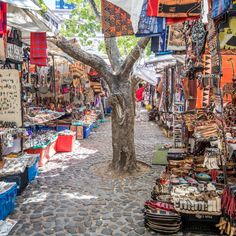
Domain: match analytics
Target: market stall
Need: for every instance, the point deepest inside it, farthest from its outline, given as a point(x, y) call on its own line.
point(198, 183)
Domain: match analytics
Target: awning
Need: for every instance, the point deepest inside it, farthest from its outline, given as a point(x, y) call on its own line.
point(28, 21)
point(147, 74)
point(25, 4)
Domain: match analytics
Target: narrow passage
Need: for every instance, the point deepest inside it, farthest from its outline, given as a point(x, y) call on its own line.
point(68, 199)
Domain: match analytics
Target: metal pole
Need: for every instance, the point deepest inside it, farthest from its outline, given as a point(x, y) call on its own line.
point(54, 80)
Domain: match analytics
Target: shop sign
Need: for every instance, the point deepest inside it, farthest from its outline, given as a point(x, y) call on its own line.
point(10, 97)
point(14, 52)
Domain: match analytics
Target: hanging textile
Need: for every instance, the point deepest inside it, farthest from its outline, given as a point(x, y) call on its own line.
point(132, 7)
point(174, 8)
point(115, 21)
point(38, 48)
point(14, 52)
point(219, 7)
point(149, 26)
point(176, 38)
point(227, 35)
point(164, 41)
point(155, 44)
point(213, 45)
point(3, 18)
point(175, 20)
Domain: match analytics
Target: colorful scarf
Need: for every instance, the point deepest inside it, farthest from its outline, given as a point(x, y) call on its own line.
point(38, 48)
point(115, 21)
point(148, 25)
point(3, 18)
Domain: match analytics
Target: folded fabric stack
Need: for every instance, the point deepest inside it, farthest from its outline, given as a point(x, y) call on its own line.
point(162, 217)
point(180, 167)
point(188, 119)
point(206, 132)
point(176, 154)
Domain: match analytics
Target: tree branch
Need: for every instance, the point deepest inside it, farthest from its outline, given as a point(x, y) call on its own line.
point(92, 60)
point(113, 53)
point(95, 10)
point(134, 56)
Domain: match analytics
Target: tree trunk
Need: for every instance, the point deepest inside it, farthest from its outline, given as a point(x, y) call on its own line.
point(124, 159)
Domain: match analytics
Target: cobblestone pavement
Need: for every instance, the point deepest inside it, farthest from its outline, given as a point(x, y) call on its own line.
point(67, 199)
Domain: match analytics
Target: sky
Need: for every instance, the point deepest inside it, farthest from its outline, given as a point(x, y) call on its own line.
point(50, 3)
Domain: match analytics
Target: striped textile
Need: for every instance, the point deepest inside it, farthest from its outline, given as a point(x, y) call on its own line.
point(38, 48)
point(219, 7)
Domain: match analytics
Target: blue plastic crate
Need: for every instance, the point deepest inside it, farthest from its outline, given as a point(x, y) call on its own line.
point(20, 179)
point(62, 128)
point(87, 131)
point(33, 170)
point(7, 202)
point(45, 128)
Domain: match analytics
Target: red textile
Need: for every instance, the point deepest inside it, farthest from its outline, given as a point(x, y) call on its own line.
point(139, 94)
point(38, 48)
point(3, 18)
point(171, 21)
point(38, 61)
point(152, 8)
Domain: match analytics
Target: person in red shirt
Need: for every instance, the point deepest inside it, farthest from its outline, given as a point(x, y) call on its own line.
point(139, 99)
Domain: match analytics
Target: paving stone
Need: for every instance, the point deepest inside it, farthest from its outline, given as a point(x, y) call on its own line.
point(98, 222)
point(140, 231)
point(117, 214)
point(87, 224)
point(106, 231)
point(49, 232)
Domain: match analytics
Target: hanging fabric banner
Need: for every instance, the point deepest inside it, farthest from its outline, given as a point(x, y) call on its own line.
point(132, 7)
point(213, 45)
point(10, 97)
point(174, 8)
point(115, 21)
point(38, 48)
